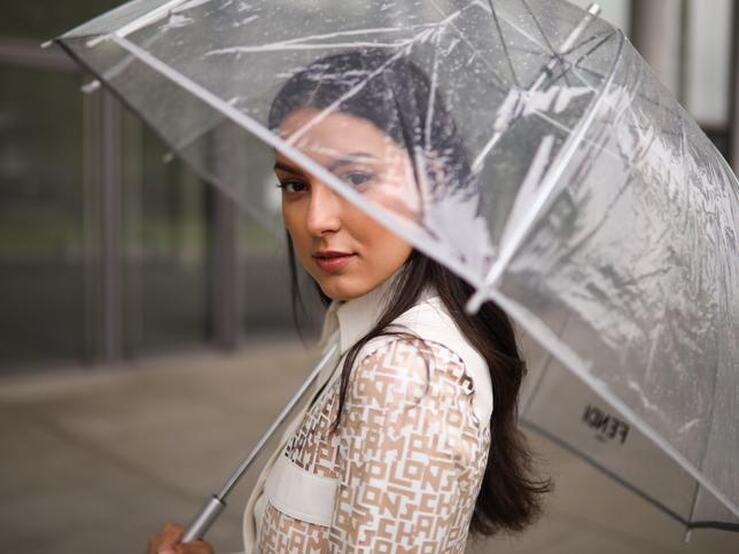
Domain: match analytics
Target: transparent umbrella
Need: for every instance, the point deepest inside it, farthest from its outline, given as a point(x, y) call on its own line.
point(528, 148)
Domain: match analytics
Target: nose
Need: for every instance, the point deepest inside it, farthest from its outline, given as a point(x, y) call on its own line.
point(324, 210)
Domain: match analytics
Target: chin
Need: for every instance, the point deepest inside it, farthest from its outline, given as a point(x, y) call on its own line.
point(337, 288)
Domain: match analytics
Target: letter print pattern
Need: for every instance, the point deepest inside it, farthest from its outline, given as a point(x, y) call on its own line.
point(409, 455)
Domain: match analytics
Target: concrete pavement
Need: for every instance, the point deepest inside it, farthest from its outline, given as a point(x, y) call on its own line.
point(94, 460)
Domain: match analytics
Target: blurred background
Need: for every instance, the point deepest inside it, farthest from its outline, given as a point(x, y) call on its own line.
point(137, 256)
point(139, 308)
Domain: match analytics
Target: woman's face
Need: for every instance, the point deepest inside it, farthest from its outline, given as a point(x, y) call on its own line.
point(343, 249)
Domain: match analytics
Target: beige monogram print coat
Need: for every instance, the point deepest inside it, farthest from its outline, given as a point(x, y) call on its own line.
point(404, 468)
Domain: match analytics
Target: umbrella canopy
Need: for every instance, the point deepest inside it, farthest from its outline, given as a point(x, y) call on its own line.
point(522, 143)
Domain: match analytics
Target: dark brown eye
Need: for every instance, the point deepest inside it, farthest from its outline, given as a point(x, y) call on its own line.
point(292, 185)
point(357, 178)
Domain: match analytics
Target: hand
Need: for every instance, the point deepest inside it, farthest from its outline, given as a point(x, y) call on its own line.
point(167, 541)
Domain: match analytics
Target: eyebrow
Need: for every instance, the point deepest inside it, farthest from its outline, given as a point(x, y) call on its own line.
point(349, 159)
point(288, 168)
point(345, 160)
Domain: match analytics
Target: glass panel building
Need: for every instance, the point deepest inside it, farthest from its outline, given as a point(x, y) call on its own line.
point(110, 249)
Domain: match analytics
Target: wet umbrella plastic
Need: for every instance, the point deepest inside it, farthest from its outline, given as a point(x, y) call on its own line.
point(528, 148)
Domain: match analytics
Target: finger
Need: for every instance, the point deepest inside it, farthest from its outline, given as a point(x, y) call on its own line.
point(203, 547)
point(194, 547)
point(165, 548)
point(173, 529)
point(172, 532)
point(155, 543)
point(169, 538)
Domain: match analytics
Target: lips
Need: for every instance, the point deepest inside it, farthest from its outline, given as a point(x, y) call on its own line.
point(332, 260)
point(330, 254)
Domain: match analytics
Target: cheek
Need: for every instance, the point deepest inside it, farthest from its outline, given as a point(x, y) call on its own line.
point(397, 192)
point(382, 249)
point(398, 250)
point(293, 218)
point(288, 217)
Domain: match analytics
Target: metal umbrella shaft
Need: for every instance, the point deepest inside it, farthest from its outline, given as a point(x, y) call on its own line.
point(217, 502)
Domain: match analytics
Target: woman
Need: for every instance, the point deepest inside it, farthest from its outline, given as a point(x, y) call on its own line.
point(411, 441)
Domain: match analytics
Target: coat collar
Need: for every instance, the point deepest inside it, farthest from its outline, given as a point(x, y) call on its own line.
point(356, 317)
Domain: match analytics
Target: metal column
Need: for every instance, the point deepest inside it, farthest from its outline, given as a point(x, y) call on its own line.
point(734, 91)
point(225, 274)
point(656, 27)
point(103, 224)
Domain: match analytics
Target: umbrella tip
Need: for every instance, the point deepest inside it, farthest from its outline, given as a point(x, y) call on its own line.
point(91, 87)
point(594, 9)
point(475, 301)
point(47, 43)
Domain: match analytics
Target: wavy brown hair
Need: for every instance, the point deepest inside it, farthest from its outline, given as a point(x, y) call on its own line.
point(397, 96)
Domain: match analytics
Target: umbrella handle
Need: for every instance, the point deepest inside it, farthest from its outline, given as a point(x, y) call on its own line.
point(205, 518)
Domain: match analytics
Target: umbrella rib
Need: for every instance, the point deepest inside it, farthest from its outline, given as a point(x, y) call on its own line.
point(567, 129)
point(580, 59)
point(432, 93)
point(600, 38)
point(552, 50)
point(498, 81)
point(503, 43)
point(280, 46)
point(122, 65)
point(540, 28)
point(140, 22)
point(710, 428)
point(523, 33)
point(712, 524)
point(298, 43)
point(694, 501)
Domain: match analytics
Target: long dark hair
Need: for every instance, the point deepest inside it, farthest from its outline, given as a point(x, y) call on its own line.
point(396, 95)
